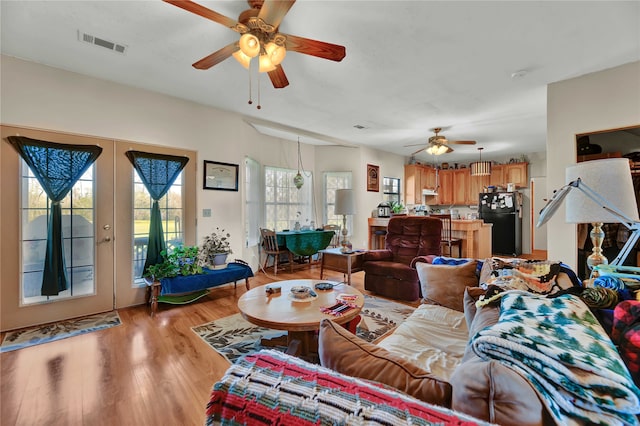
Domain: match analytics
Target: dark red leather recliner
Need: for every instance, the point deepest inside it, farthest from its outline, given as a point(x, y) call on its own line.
point(390, 272)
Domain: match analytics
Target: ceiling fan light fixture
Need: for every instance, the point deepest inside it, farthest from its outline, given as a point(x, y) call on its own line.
point(242, 58)
point(481, 168)
point(265, 64)
point(250, 45)
point(276, 53)
point(438, 149)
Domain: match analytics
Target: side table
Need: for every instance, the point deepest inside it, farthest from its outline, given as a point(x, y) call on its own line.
point(347, 263)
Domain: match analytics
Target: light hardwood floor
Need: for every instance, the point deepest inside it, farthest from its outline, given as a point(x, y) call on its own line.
point(147, 371)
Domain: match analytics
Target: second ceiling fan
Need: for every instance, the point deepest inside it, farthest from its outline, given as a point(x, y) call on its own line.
point(260, 38)
point(438, 144)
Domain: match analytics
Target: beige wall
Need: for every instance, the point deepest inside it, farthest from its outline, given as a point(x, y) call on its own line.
point(38, 96)
point(603, 100)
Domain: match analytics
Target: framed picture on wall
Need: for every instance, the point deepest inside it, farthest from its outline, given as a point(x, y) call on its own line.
point(373, 182)
point(221, 176)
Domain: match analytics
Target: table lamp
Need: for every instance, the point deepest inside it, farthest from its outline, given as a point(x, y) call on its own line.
point(345, 204)
point(605, 195)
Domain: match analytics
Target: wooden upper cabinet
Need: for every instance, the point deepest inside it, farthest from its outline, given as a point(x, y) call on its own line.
point(516, 173)
point(445, 191)
point(497, 175)
point(460, 189)
point(416, 178)
point(477, 184)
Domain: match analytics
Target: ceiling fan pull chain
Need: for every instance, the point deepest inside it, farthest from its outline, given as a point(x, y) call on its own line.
point(249, 74)
point(259, 107)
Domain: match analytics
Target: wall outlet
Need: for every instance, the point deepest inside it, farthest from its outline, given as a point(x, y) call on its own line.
point(206, 212)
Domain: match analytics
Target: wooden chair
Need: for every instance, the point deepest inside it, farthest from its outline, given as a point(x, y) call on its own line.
point(335, 241)
point(447, 236)
point(271, 248)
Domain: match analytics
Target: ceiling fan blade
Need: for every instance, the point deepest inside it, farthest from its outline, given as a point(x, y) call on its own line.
point(463, 142)
point(418, 151)
point(415, 144)
point(272, 11)
point(278, 78)
point(192, 7)
point(316, 48)
point(216, 57)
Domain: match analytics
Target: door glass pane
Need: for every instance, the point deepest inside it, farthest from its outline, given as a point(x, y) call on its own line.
point(77, 232)
point(171, 209)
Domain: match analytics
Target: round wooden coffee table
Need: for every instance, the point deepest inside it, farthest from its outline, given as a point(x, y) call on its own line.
point(300, 319)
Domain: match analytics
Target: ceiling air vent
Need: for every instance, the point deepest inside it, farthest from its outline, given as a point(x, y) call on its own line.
point(88, 38)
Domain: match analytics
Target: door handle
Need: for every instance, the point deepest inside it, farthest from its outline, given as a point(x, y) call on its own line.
point(105, 240)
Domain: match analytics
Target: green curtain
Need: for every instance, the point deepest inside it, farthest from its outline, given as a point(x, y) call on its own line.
point(157, 172)
point(57, 167)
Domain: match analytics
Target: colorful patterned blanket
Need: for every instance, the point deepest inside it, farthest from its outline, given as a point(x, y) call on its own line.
point(559, 346)
point(273, 388)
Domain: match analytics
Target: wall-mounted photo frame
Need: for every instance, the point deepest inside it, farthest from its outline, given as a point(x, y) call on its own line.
point(220, 176)
point(373, 182)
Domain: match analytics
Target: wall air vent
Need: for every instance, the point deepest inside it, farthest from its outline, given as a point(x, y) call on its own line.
point(97, 41)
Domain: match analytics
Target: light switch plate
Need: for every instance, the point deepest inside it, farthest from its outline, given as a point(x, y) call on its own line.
point(206, 212)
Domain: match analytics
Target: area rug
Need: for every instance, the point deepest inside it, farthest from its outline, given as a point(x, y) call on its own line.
point(234, 337)
point(58, 330)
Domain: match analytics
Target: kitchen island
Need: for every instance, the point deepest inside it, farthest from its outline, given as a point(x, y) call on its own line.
point(475, 235)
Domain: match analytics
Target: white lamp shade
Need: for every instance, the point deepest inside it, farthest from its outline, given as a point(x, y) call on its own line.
point(611, 180)
point(345, 203)
point(242, 58)
point(250, 45)
point(265, 64)
point(276, 53)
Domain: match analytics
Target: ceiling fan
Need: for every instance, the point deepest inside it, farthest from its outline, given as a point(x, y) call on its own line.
point(438, 144)
point(260, 38)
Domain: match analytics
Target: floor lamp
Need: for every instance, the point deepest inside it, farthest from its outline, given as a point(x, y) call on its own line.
point(345, 204)
point(605, 194)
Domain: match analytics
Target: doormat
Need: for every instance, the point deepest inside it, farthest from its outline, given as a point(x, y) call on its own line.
point(233, 336)
point(58, 330)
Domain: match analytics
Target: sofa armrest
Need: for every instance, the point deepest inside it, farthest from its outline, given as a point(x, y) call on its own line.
point(425, 259)
point(375, 255)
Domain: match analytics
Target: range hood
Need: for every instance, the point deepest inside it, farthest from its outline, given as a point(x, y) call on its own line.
point(429, 192)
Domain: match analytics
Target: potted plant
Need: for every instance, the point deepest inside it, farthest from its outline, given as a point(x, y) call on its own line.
point(182, 260)
point(215, 248)
point(397, 208)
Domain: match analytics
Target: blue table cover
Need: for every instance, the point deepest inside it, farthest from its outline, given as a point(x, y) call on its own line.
point(304, 243)
point(209, 278)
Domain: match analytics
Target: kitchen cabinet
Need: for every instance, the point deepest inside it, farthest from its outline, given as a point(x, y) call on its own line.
point(445, 191)
point(460, 185)
point(477, 184)
point(416, 178)
point(516, 173)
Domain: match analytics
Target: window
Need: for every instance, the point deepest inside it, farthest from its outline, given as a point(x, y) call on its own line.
point(284, 203)
point(172, 213)
point(77, 234)
point(391, 189)
point(333, 181)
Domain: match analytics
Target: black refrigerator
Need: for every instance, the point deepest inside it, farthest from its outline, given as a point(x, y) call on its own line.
point(504, 211)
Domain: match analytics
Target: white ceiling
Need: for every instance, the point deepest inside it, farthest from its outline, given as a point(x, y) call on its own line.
point(410, 65)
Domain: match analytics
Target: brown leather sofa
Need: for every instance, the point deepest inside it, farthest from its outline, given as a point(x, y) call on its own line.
point(391, 271)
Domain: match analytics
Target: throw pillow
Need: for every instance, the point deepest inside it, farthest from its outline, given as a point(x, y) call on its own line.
point(348, 354)
point(471, 296)
point(445, 284)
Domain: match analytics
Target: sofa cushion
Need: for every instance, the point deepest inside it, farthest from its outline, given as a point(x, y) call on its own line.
point(399, 271)
point(432, 337)
point(445, 284)
point(348, 354)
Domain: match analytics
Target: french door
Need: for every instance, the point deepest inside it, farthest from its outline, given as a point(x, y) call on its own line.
point(99, 244)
